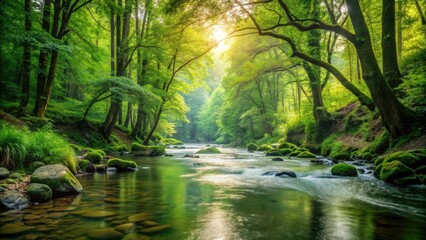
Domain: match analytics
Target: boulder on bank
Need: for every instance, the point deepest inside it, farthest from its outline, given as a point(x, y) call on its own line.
point(344, 156)
point(265, 147)
point(306, 154)
point(287, 145)
point(39, 192)
point(343, 169)
point(58, 178)
point(121, 165)
point(4, 173)
point(285, 151)
point(34, 165)
point(252, 147)
point(142, 150)
point(209, 150)
point(273, 153)
point(86, 166)
point(13, 200)
point(94, 156)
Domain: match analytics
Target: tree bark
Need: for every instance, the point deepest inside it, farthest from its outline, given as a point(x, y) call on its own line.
point(389, 51)
point(397, 119)
point(26, 64)
point(129, 114)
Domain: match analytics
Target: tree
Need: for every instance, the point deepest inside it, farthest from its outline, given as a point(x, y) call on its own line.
point(26, 62)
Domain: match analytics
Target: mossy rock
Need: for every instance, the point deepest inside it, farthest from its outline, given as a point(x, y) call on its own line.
point(412, 179)
point(287, 145)
point(408, 159)
point(368, 156)
point(273, 153)
point(302, 149)
point(294, 153)
point(142, 150)
point(343, 169)
point(11, 180)
point(209, 150)
point(306, 154)
point(16, 176)
point(341, 156)
point(94, 157)
point(4, 173)
point(100, 152)
point(252, 147)
point(379, 160)
point(86, 166)
point(285, 151)
point(59, 178)
point(39, 192)
point(122, 165)
point(390, 171)
point(34, 165)
point(75, 147)
point(265, 148)
point(421, 170)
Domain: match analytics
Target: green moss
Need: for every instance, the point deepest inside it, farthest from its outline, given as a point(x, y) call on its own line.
point(85, 165)
point(302, 149)
point(285, 151)
point(172, 141)
point(306, 154)
point(367, 156)
point(294, 153)
point(121, 165)
point(341, 156)
point(39, 192)
point(343, 169)
point(16, 176)
point(76, 148)
point(209, 150)
point(379, 160)
point(143, 150)
point(421, 170)
point(252, 147)
point(265, 147)
point(287, 145)
point(412, 179)
point(94, 157)
point(380, 144)
point(273, 153)
point(391, 171)
point(101, 152)
point(408, 159)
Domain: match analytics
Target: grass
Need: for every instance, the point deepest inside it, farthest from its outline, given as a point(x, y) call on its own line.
point(18, 148)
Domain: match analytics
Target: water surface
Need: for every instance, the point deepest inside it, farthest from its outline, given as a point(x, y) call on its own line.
point(225, 196)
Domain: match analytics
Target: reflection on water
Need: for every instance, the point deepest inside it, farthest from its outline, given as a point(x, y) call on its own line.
point(225, 196)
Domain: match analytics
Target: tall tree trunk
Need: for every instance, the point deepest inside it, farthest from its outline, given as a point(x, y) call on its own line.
point(154, 126)
point(129, 114)
point(42, 63)
point(111, 118)
point(389, 51)
point(26, 64)
point(400, 16)
point(112, 42)
point(397, 119)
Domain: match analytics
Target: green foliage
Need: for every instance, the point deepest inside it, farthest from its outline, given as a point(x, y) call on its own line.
point(85, 165)
point(285, 151)
point(343, 169)
point(306, 154)
point(94, 156)
point(121, 165)
point(50, 148)
point(13, 150)
point(380, 144)
point(287, 145)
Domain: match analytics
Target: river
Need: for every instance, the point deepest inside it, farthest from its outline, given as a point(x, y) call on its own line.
point(225, 196)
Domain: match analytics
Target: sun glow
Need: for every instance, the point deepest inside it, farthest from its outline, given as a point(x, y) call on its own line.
point(218, 35)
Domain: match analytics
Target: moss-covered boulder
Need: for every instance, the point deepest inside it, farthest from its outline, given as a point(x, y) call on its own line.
point(58, 178)
point(294, 153)
point(39, 192)
point(252, 147)
point(34, 165)
point(273, 153)
point(391, 171)
point(122, 165)
point(287, 145)
point(4, 173)
point(142, 150)
point(306, 154)
point(13, 200)
point(16, 176)
point(368, 156)
point(94, 156)
point(285, 151)
point(407, 158)
point(341, 156)
point(343, 169)
point(86, 166)
point(265, 147)
point(209, 150)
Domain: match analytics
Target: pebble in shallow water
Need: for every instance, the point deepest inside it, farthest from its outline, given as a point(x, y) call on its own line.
point(14, 228)
point(106, 234)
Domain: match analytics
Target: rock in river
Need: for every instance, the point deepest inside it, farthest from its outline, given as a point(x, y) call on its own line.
point(39, 192)
point(58, 178)
point(13, 200)
point(4, 173)
point(105, 234)
point(14, 228)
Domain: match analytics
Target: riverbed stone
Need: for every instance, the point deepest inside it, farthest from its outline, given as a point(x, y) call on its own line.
point(286, 173)
point(13, 200)
point(105, 234)
point(39, 192)
point(156, 229)
point(208, 150)
point(277, 159)
point(4, 173)
point(121, 165)
point(58, 178)
point(125, 228)
point(14, 229)
point(140, 217)
point(136, 236)
point(95, 214)
point(343, 169)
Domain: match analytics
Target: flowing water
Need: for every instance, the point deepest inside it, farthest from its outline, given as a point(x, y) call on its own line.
point(225, 196)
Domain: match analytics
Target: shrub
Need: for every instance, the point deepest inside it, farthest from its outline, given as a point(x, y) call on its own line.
point(12, 147)
point(94, 157)
point(50, 148)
